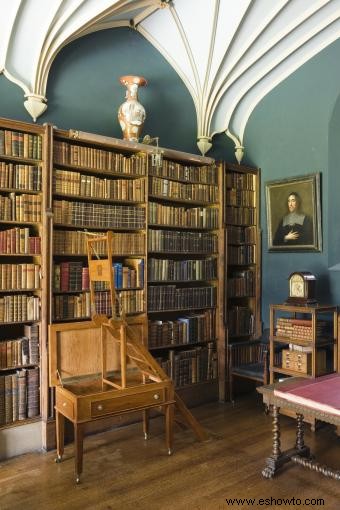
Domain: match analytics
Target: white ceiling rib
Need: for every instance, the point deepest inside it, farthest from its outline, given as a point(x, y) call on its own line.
point(229, 58)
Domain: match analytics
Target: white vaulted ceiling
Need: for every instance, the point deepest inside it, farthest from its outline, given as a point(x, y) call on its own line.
point(229, 53)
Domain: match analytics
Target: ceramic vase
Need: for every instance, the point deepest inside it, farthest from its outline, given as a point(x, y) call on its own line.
point(131, 113)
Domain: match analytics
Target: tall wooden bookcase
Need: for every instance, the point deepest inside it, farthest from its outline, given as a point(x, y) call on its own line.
point(168, 251)
point(184, 300)
point(242, 303)
point(23, 282)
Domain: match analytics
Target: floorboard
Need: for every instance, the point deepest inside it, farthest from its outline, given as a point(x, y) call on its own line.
point(123, 472)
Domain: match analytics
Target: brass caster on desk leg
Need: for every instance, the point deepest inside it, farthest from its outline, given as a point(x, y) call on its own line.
point(146, 436)
point(78, 479)
point(169, 451)
point(58, 459)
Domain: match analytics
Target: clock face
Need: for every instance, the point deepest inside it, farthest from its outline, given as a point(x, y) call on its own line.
point(297, 286)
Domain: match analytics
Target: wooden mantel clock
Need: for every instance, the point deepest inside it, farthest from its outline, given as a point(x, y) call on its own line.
point(301, 288)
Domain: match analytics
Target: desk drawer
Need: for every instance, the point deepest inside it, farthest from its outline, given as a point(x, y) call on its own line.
point(65, 406)
point(127, 402)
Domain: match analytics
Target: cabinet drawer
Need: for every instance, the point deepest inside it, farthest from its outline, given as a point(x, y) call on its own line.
point(127, 402)
point(65, 406)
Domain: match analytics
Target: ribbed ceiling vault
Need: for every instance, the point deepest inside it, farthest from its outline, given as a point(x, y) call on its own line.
point(229, 53)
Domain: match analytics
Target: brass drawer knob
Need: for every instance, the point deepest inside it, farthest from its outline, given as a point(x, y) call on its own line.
point(64, 404)
point(100, 407)
point(156, 396)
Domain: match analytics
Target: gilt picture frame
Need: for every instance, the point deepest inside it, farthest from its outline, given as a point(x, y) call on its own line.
point(294, 214)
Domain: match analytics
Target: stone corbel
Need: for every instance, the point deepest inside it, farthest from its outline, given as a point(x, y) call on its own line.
point(239, 148)
point(204, 144)
point(35, 104)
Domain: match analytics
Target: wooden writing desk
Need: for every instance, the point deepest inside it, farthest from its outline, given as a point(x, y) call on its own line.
point(321, 409)
point(81, 396)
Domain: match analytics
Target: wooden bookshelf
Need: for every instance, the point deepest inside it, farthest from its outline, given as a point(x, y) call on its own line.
point(88, 182)
point(23, 290)
point(184, 300)
point(96, 188)
point(242, 312)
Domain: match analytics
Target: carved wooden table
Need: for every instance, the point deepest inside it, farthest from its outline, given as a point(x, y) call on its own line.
point(300, 452)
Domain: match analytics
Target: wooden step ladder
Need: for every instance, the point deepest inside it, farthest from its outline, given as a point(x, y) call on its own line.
point(131, 347)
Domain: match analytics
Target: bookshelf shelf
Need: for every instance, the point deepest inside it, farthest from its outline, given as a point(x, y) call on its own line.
point(178, 227)
point(15, 222)
point(96, 171)
point(97, 199)
point(186, 201)
point(20, 159)
point(20, 190)
point(96, 228)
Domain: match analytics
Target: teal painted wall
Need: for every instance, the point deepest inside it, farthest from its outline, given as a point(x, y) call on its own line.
point(295, 130)
point(84, 91)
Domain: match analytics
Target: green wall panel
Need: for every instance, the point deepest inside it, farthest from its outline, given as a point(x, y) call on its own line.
point(84, 91)
point(288, 135)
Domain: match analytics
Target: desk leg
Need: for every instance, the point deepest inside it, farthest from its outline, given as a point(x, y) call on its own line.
point(300, 432)
point(274, 461)
point(169, 426)
point(146, 423)
point(78, 445)
point(60, 426)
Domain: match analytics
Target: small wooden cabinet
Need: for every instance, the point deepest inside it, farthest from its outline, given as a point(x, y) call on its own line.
point(307, 336)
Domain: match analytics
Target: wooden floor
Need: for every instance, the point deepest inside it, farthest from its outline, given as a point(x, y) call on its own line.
point(122, 471)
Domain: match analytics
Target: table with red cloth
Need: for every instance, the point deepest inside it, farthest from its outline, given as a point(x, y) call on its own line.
point(313, 398)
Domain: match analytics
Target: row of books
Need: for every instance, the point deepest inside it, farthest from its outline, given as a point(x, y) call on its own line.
point(182, 242)
point(18, 241)
point(240, 321)
point(20, 176)
point(84, 214)
point(240, 181)
point(206, 174)
point(244, 198)
point(240, 235)
point(19, 395)
point(197, 217)
point(240, 215)
point(300, 328)
point(19, 276)
point(190, 329)
point(168, 297)
point(182, 270)
point(19, 308)
point(191, 366)
point(23, 207)
point(79, 306)
point(99, 159)
point(183, 191)
point(244, 254)
point(75, 183)
point(74, 276)
point(17, 143)
point(71, 242)
point(241, 284)
point(21, 351)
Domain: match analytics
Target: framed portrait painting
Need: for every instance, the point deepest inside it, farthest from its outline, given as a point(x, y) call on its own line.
point(294, 214)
